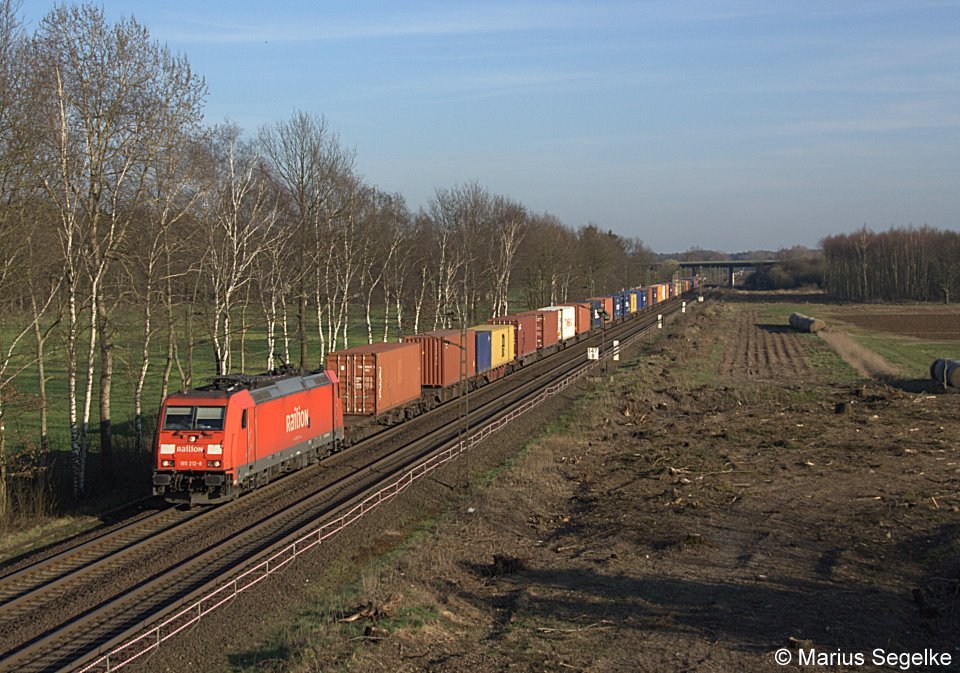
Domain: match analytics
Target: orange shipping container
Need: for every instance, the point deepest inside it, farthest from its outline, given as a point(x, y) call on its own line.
point(548, 327)
point(376, 377)
point(566, 321)
point(441, 355)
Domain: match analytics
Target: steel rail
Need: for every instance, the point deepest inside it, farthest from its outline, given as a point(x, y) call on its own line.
point(30, 587)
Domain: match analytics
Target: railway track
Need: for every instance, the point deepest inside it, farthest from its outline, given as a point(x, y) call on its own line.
point(32, 587)
point(112, 621)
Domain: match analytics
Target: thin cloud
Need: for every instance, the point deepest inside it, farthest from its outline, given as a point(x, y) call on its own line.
point(438, 22)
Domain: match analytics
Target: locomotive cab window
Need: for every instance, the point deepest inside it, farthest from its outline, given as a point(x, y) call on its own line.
point(178, 418)
point(194, 418)
point(210, 418)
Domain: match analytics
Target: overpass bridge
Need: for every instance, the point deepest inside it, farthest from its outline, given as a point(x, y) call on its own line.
point(730, 265)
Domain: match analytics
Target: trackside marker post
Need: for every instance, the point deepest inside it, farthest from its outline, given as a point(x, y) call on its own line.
point(659, 321)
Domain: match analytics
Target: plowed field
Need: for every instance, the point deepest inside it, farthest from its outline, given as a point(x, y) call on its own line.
point(763, 351)
point(934, 326)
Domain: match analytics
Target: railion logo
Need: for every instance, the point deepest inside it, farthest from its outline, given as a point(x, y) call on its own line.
point(300, 418)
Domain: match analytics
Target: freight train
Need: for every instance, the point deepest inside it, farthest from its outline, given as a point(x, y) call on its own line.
point(218, 441)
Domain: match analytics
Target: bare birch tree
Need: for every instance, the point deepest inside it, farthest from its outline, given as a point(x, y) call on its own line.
point(242, 216)
point(510, 222)
point(113, 92)
point(308, 162)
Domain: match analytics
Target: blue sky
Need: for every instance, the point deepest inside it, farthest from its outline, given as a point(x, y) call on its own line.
point(731, 125)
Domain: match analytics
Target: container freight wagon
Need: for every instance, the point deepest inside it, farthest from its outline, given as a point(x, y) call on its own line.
point(598, 304)
point(481, 344)
point(621, 305)
point(237, 433)
point(639, 298)
point(524, 332)
point(656, 294)
point(548, 327)
point(441, 356)
point(582, 315)
point(376, 378)
point(500, 347)
point(566, 320)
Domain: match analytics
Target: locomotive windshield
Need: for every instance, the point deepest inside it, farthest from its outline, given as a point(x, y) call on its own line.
point(194, 418)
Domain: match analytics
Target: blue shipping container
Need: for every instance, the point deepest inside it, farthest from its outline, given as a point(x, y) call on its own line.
point(641, 298)
point(483, 351)
point(595, 307)
point(619, 310)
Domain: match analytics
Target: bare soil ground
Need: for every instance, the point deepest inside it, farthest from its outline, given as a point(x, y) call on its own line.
point(702, 509)
point(762, 351)
point(934, 326)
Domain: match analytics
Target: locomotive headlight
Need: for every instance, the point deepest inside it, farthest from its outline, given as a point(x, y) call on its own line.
point(213, 463)
point(166, 463)
point(167, 449)
point(215, 449)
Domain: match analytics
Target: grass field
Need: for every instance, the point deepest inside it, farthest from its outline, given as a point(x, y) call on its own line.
point(23, 417)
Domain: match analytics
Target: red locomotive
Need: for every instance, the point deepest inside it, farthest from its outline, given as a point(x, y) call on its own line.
point(237, 433)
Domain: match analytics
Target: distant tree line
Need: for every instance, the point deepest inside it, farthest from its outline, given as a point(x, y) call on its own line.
point(896, 265)
point(123, 219)
point(796, 267)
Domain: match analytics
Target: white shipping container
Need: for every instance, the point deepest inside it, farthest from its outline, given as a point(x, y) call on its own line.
point(567, 321)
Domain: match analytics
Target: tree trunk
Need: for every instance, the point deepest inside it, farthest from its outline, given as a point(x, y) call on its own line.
point(171, 350)
point(3, 469)
point(271, 316)
point(88, 387)
point(284, 327)
point(106, 383)
point(41, 377)
point(142, 377)
point(243, 332)
point(78, 454)
point(302, 325)
point(189, 380)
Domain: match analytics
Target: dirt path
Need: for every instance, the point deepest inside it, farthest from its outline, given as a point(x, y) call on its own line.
point(865, 361)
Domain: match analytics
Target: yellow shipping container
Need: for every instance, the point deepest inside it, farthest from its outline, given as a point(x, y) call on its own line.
point(502, 346)
point(633, 301)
